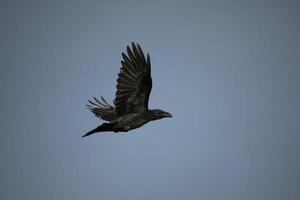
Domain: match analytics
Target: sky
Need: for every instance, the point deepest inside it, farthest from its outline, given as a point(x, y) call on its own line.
point(228, 71)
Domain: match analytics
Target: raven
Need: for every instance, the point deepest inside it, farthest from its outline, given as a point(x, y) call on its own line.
point(130, 110)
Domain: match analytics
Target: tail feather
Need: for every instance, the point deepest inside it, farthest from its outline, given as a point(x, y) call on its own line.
point(102, 128)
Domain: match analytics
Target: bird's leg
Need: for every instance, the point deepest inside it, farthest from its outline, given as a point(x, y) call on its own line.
point(126, 128)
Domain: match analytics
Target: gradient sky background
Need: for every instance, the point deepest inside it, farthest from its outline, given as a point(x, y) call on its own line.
point(228, 70)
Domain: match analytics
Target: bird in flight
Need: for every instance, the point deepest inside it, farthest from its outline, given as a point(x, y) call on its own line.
point(130, 109)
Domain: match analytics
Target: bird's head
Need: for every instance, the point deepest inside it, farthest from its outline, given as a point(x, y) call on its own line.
point(159, 114)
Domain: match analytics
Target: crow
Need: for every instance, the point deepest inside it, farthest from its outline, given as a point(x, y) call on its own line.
point(134, 84)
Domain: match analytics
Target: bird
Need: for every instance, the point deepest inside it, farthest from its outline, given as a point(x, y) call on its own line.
point(130, 106)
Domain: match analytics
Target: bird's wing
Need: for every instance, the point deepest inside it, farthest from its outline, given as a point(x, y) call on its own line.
point(134, 82)
point(102, 109)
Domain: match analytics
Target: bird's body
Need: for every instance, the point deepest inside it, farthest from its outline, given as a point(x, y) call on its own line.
point(130, 110)
point(130, 121)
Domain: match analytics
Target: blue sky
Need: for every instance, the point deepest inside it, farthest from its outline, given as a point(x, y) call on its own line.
point(227, 70)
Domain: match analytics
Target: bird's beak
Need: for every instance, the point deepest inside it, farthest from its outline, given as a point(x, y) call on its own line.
point(168, 115)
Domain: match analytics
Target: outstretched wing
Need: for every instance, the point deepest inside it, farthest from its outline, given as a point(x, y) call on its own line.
point(102, 109)
point(134, 82)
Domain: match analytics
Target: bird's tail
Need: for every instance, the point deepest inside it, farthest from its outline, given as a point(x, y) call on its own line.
point(102, 128)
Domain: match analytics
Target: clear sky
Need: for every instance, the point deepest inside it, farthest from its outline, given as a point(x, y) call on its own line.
point(228, 71)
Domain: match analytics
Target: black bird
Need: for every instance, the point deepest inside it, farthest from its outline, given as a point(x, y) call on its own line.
point(130, 110)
